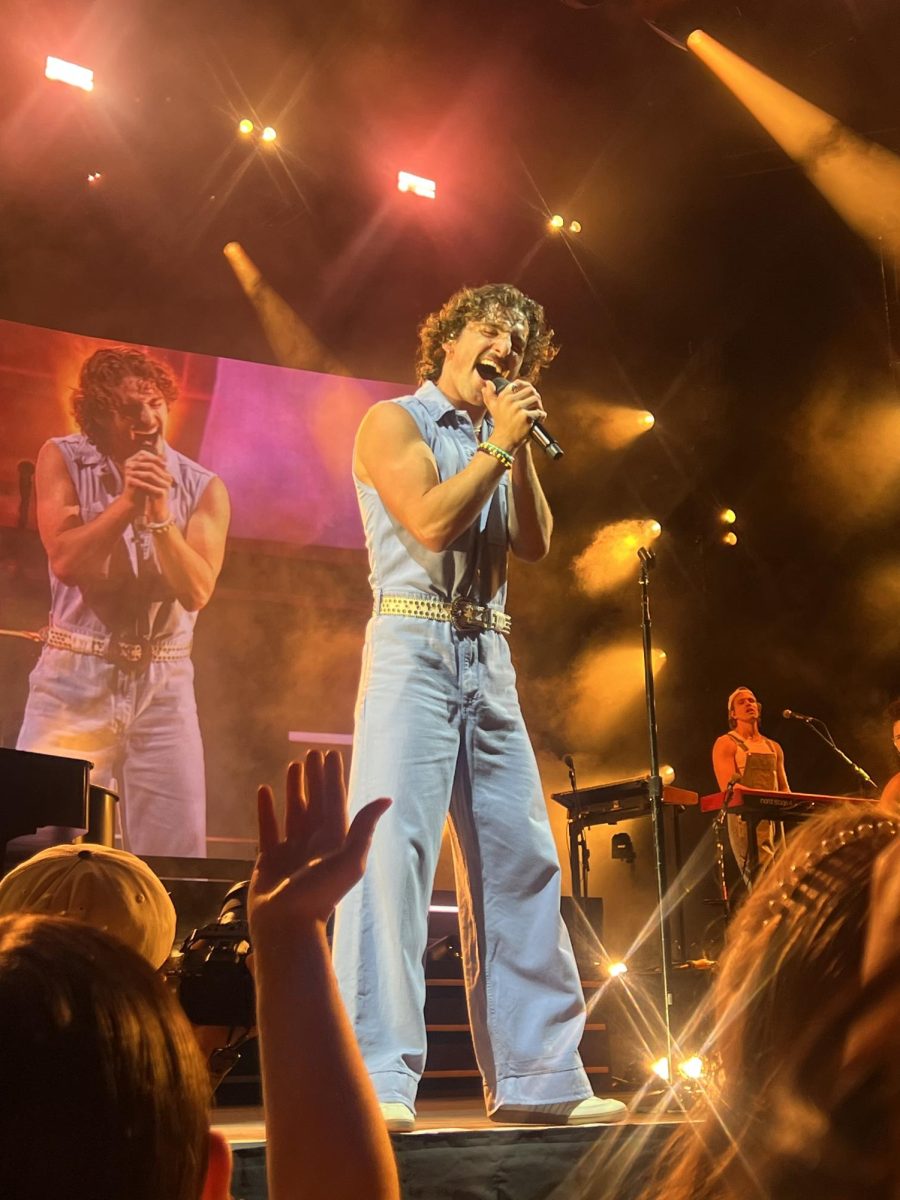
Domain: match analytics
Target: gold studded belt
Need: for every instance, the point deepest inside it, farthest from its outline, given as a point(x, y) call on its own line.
point(463, 614)
point(126, 654)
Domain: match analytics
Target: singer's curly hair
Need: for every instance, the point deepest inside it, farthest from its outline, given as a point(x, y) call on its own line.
point(95, 398)
point(475, 304)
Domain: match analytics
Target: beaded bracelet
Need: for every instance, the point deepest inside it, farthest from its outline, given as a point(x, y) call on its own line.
point(155, 527)
point(502, 456)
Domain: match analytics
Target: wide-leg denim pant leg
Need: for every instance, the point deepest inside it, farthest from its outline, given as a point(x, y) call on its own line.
point(525, 1000)
point(438, 715)
point(141, 732)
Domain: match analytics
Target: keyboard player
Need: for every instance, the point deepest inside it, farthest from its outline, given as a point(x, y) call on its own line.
point(745, 755)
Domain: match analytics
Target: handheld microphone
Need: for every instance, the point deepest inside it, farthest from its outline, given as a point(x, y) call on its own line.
point(795, 716)
point(539, 432)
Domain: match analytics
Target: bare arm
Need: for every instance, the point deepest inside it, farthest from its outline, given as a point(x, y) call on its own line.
point(783, 785)
point(78, 551)
point(391, 455)
point(530, 518)
point(190, 563)
point(326, 1137)
point(724, 758)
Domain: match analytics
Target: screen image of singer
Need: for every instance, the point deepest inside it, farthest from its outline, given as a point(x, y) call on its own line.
point(261, 428)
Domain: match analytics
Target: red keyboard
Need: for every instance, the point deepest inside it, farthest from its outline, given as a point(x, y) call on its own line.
point(765, 803)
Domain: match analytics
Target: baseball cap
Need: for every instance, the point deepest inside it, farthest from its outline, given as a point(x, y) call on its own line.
point(107, 888)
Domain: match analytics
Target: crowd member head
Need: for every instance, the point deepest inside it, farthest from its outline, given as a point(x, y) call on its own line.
point(110, 889)
point(835, 1134)
point(122, 401)
point(800, 935)
point(797, 942)
point(103, 1092)
point(497, 305)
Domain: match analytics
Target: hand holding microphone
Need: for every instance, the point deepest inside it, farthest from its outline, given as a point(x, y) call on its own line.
point(538, 432)
point(147, 485)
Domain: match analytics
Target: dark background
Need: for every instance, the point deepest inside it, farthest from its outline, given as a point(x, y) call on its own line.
point(711, 285)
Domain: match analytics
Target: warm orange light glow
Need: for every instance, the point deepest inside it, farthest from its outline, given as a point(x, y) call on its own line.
point(70, 73)
point(614, 970)
point(417, 184)
point(692, 1068)
point(268, 134)
point(293, 342)
point(245, 126)
point(648, 420)
point(611, 558)
point(860, 179)
point(728, 516)
point(660, 1068)
point(730, 539)
point(556, 221)
point(574, 227)
point(606, 684)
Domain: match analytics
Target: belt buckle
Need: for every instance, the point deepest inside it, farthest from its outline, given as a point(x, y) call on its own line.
point(124, 657)
point(463, 615)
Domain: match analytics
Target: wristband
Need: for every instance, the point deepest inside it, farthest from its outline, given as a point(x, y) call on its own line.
point(502, 456)
point(155, 527)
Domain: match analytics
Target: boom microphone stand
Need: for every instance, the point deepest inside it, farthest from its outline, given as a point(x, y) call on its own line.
point(824, 733)
point(655, 793)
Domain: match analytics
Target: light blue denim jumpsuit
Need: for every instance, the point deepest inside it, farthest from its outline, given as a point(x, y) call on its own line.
point(138, 727)
point(438, 728)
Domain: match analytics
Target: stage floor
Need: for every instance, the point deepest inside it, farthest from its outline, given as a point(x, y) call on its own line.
point(456, 1153)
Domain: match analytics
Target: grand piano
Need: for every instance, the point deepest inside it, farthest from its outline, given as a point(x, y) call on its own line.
point(45, 789)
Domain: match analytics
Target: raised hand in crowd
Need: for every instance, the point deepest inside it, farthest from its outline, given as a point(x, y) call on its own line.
point(325, 1133)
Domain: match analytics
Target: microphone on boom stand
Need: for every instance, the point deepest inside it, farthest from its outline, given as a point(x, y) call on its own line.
point(570, 763)
point(825, 734)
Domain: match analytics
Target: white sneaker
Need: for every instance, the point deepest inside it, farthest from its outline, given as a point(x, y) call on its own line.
point(592, 1111)
point(397, 1117)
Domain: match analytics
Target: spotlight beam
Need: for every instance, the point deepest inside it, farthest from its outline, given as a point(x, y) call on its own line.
point(293, 342)
point(859, 179)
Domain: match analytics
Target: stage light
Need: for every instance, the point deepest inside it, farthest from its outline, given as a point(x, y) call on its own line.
point(245, 126)
point(94, 177)
point(728, 516)
point(730, 539)
point(574, 227)
point(667, 775)
point(692, 1068)
point(614, 970)
point(417, 184)
point(70, 73)
point(660, 1068)
point(647, 420)
point(611, 558)
point(268, 134)
point(556, 221)
point(661, 656)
